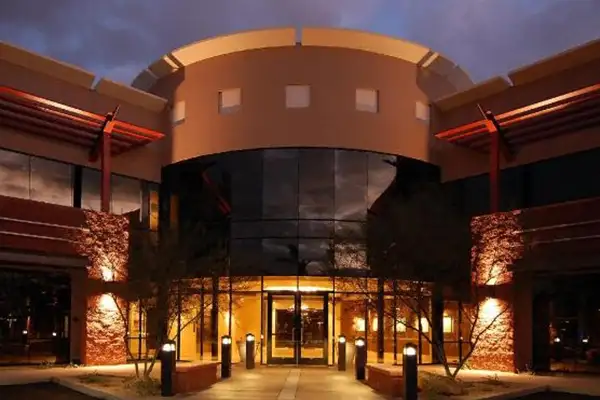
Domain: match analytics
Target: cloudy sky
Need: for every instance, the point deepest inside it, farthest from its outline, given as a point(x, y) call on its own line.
point(117, 38)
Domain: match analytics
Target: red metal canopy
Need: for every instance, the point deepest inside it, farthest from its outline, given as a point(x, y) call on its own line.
point(51, 119)
point(553, 117)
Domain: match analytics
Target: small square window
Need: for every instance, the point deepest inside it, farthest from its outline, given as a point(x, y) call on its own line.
point(422, 111)
point(230, 100)
point(367, 100)
point(297, 96)
point(178, 113)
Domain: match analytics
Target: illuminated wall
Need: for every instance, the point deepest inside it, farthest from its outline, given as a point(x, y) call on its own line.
point(104, 240)
point(497, 244)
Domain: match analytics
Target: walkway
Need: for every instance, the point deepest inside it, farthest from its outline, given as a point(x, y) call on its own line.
point(283, 383)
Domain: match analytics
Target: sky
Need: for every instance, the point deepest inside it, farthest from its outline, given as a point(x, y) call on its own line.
point(118, 38)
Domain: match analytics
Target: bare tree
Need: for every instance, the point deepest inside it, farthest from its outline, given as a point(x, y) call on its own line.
point(419, 250)
point(162, 275)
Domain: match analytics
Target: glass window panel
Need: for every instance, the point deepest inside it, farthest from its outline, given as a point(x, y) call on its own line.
point(281, 256)
point(318, 229)
point(351, 185)
point(90, 189)
point(350, 230)
point(280, 228)
point(316, 184)
point(280, 183)
point(126, 194)
point(241, 230)
point(314, 255)
point(246, 182)
point(245, 256)
point(51, 182)
point(14, 174)
point(381, 175)
point(367, 100)
point(230, 100)
point(297, 96)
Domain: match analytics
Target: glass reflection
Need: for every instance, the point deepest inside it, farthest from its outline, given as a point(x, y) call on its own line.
point(290, 205)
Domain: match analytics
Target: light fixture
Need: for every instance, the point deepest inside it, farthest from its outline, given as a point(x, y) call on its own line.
point(374, 324)
point(54, 334)
point(401, 325)
point(585, 340)
point(168, 347)
point(342, 339)
point(360, 342)
point(448, 324)
point(359, 324)
point(250, 337)
point(226, 340)
point(410, 350)
point(556, 340)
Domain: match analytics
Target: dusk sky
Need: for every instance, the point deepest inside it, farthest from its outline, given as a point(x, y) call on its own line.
point(118, 38)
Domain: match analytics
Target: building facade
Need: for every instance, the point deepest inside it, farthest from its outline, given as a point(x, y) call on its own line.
point(290, 138)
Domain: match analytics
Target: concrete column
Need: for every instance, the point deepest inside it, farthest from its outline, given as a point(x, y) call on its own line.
point(523, 320)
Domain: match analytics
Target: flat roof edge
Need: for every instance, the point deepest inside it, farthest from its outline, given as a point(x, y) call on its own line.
point(130, 95)
point(46, 65)
point(479, 91)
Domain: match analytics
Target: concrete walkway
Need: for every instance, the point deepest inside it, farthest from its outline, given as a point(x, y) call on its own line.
point(282, 383)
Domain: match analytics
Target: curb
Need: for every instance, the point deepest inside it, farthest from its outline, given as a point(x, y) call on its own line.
point(98, 394)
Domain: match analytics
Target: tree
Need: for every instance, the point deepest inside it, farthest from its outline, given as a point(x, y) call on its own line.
point(419, 250)
point(162, 275)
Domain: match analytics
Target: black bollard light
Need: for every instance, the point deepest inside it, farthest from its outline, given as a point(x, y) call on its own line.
point(25, 337)
point(409, 371)
point(360, 358)
point(250, 351)
point(342, 353)
point(225, 356)
point(167, 368)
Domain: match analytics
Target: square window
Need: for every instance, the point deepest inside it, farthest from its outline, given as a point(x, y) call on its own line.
point(422, 111)
point(230, 100)
point(178, 113)
point(297, 96)
point(367, 100)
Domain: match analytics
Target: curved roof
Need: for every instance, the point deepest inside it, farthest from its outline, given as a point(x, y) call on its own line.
point(284, 37)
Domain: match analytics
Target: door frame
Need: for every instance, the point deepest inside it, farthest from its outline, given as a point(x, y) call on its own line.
point(297, 329)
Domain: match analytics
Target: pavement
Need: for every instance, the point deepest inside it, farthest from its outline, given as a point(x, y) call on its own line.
point(285, 383)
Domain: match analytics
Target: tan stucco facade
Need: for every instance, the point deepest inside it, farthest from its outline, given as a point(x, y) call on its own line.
point(333, 63)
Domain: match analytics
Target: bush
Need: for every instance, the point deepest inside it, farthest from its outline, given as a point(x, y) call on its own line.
point(434, 384)
point(144, 387)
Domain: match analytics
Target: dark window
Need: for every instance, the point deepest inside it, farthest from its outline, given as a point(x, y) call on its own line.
point(280, 183)
point(14, 174)
point(316, 184)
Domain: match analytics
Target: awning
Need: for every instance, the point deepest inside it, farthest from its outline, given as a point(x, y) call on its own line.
point(553, 117)
point(40, 116)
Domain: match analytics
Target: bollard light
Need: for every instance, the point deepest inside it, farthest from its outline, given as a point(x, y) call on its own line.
point(225, 356)
point(409, 371)
point(360, 358)
point(250, 351)
point(341, 353)
point(24, 337)
point(167, 368)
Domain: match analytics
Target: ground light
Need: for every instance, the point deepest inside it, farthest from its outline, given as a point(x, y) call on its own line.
point(409, 371)
point(360, 358)
point(342, 353)
point(167, 368)
point(250, 351)
point(225, 356)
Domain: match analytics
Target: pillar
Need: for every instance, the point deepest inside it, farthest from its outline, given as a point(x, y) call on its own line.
point(380, 325)
point(494, 171)
point(105, 168)
point(523, 320)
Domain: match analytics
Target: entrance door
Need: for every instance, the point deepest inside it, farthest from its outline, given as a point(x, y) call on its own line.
point(297, 328)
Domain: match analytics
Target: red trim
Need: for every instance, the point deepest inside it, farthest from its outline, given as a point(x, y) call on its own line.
point(223, 205)
point(535, 122)
point(80, 123)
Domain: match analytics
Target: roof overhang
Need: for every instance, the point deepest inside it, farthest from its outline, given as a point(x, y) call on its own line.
point(57, 121)
point(556, 116)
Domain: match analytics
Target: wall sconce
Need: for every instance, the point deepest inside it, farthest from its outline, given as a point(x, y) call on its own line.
point(359, 324)
point(424, 325)
point(448, 324)
point(401, 325)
